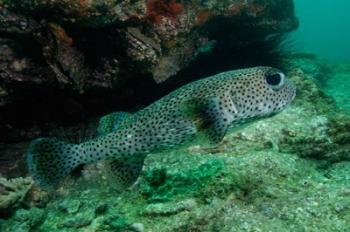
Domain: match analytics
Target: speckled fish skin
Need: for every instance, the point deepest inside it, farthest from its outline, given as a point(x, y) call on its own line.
point(209, 106)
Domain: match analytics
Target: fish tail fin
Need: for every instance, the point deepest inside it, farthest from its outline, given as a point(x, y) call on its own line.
point(50, 160)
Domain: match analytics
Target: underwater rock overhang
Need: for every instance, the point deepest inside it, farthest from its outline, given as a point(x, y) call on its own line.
point(71, 56)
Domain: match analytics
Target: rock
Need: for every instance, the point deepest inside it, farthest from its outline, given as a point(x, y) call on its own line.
point(24, 220)
point(137, 227)
point(101, 209)
point(13, 193)
point(310, 65)
point(32, 217)
point(37, 198)
point(187, 174)
point(336, 84)
point(12, 161)
point(166, 209)
point(111, 49)
point(75, 222)
point(70, 206)
point(115, 222)
point(78, 215)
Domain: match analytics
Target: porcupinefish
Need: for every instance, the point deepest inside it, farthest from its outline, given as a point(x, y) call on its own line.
point(208, 107)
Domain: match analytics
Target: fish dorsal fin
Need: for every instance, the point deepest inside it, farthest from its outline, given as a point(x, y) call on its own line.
point(112, 122)
point(214, 115)
point(126, 170)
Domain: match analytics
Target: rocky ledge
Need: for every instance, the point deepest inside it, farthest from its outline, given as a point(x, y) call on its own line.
point(66, 59)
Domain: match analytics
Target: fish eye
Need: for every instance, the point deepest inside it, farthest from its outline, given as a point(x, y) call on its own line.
point(275, 81)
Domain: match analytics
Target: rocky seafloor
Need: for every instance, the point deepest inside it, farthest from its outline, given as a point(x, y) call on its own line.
point(76, 60)
point(290, 172)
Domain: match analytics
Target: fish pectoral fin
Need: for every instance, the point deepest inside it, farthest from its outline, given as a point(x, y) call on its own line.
point(213, 115)
point(126, 171)
point(112, 122)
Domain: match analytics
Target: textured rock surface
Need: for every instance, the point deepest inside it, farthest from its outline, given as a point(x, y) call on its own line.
point(338, 85)
point(13, 192)
point(289, 172)
point(57, 54)
point(160, 37)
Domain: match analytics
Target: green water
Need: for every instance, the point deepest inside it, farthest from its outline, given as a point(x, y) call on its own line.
point(324, 28)
point(324, 31)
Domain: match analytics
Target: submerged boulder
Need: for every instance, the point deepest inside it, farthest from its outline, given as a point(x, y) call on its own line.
point(160, 37)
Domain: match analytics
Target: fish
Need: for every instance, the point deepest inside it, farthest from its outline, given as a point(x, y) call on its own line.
point(205, 108)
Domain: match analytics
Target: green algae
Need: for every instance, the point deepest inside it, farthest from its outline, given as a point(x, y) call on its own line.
point(162, 184)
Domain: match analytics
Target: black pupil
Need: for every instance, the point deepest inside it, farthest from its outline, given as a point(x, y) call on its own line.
point(274, 79)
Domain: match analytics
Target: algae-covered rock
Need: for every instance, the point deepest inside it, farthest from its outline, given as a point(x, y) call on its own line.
point(288, 172)
point(25, 220)
point(31, 217)
point(70, 206)
point(13, 192)
point(324, 117)
point(163, 209)
point(188, 174)
point(337, 85)
point(76, 222)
